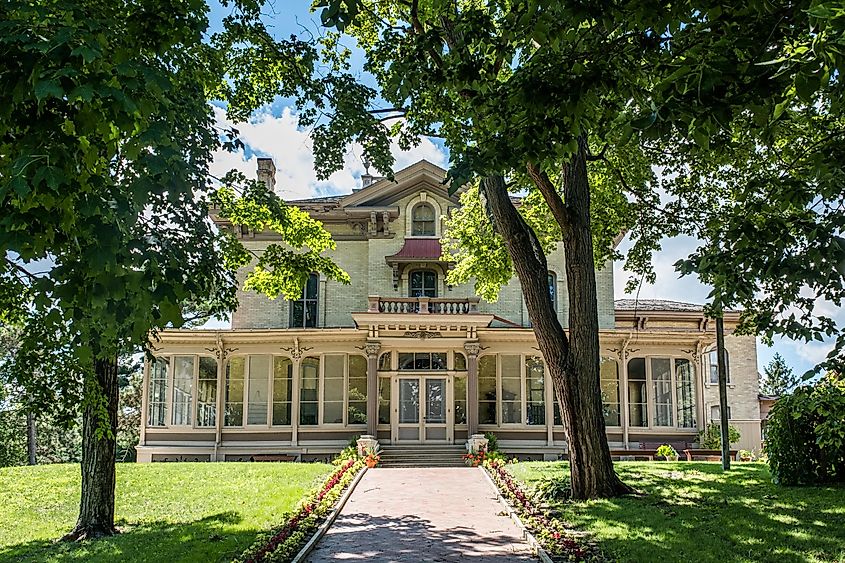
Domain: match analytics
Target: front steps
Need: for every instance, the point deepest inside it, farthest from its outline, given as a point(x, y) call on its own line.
point(422, 456)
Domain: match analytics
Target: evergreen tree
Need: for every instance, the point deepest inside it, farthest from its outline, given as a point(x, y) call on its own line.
point(778, 378)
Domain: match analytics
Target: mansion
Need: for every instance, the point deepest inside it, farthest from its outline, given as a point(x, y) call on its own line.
point(403, 356)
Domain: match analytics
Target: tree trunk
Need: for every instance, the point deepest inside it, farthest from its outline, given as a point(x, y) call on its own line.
point(30, 438)
point(96, 507)
point(593, 475)
point(572, 364)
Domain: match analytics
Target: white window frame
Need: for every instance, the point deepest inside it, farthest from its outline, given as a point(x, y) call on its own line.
point(171, 376)
point(322, 390)
point(268, 423)
point(650, 403)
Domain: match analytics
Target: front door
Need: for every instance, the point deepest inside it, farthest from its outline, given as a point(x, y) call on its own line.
point(421, 410)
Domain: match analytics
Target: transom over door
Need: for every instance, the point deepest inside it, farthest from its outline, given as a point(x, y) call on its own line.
point(422, 412)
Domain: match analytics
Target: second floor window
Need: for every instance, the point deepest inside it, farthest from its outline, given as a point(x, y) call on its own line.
point(423, 283)
point(553, 289)
point(422, 221)
point(712, 361)
point(303, 312)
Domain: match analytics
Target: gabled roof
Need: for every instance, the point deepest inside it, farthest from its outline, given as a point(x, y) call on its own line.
point(385, 191)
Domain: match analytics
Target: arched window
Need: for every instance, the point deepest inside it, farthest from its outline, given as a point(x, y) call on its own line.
point(422, 283)
point(303, 312)
point(422, 221)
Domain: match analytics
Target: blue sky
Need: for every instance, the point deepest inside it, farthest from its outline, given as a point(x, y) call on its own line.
point(273, 132)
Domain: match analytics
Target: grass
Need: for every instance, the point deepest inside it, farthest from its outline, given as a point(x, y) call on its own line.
point(166, 511)
point(695, 512)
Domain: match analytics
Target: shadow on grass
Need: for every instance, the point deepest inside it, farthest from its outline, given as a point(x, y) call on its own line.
point(212, 538)
point(365, 537)
point(695, 512)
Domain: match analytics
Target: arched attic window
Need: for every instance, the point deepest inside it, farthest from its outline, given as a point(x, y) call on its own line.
point(422, 221)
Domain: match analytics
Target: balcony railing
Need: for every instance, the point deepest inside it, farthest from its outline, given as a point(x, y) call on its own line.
point(423, 305)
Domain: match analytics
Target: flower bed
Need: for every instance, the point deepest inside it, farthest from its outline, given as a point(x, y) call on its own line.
point(555, 538)
point(281, 544)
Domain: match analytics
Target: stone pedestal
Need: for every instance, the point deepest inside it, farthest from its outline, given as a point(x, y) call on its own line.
point(367, 444)
point(476, 443)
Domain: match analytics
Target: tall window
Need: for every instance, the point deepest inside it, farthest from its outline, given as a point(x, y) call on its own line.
point(157, 398)
point(207, 392)
point(661, 378)
point(487, 389)
point(460, 400)
point(183, 387)
point(610, 392)
point(309, 395)
point(282, 390)
point(422, 221)
point(511, 390)
point(384, 400)
point(685, 389)
point(553, 289)
point(637, 393)
point(258, 390)
point(333, 389)
point(356, 407)
point(235, 373)
point(423, 283)
point(535, 390)
point(303, 312)
point(711, 359)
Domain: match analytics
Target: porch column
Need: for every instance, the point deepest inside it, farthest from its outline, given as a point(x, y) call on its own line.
point(472, 349)
point(623, 387)
point(372, 388)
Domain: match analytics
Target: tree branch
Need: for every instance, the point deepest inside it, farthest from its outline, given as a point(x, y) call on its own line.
point(551, 195)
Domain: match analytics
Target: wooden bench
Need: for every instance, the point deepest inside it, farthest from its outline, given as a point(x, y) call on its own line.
point(649, 454)
point(273, 457)
point(707, 455)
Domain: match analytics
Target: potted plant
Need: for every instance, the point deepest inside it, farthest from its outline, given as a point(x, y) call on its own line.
point(745, 455)
point(372, 458)
point(667, 452)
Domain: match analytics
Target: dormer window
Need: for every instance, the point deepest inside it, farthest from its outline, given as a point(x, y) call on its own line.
point(423, 283)
point(422, 221)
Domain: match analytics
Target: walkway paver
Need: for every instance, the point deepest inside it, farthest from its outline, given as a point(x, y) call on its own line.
point(422, 514)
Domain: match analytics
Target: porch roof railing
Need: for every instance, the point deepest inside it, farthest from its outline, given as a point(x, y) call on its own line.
point(423, 305)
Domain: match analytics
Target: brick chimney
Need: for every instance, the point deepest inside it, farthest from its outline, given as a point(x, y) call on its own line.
point(267, 173)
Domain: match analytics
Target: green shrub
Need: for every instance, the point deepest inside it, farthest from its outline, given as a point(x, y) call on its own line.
point(492, 442)
point(667, 451)
point(710, 437)
point(805, 436)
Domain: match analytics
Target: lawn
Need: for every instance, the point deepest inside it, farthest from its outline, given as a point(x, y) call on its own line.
point(695, 512)
point(166, 511)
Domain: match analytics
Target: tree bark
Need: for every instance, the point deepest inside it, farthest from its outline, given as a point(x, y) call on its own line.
point(572, 362)
point(96, 507)
point(31, 443)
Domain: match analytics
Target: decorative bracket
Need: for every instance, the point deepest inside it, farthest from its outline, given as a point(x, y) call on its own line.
point(296, 351)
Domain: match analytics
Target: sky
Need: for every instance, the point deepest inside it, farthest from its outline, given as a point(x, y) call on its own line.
point(273, 132)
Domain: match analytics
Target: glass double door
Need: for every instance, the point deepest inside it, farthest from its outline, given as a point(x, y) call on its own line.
point(422, 410)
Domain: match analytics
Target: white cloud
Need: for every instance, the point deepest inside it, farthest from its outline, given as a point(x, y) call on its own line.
point(279, 137)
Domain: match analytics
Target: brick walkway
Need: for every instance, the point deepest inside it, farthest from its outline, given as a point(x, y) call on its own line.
point(426, 514)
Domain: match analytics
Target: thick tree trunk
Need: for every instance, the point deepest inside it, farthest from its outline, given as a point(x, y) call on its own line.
point(589, 454)
point(30, 439)
point(96, 507)
point(573, 362)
